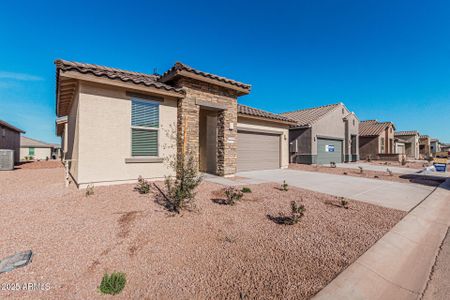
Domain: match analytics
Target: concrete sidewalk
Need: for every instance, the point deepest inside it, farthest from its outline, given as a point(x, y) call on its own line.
point(398, 266)
point(378, 168)
point(402, 196)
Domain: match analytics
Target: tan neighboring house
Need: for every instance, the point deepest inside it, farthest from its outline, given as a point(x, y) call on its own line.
point(10, 138)
point(425, 146)
point(122, 124)
point(408, 142)
point(323, 135)
point(31, 149)
point(377, 141)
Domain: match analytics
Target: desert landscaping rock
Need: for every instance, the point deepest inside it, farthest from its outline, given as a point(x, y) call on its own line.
point(15, 261)
point(213, 252)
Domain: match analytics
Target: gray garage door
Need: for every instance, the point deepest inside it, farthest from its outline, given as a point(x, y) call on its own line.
point(329, 150)
point(258, 151)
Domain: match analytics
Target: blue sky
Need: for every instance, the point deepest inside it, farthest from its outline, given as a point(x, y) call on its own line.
point(386, 60)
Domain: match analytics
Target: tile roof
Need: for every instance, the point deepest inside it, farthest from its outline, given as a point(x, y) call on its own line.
point(14, 128)
point(183, 67)
point(372, 127)
point(29, 142)
point(305, 117)
point(112, 73)
point(403, 133)
point(254, 112)
point(424, 136)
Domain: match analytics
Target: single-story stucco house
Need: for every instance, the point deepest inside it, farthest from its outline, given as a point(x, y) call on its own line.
point(31, 149)
point(122, 124)
point(424, 146)
point(376, 140)
point(10, 138)
point(410, 141)
point(323, 135)
point(435, 146)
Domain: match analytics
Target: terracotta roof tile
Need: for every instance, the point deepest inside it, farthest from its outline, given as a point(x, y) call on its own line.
point(183, 67)
point(112, 73)
point(14, 128)
point(403, 133)
point(254, 112)
point(372, 127)
point(305, 117)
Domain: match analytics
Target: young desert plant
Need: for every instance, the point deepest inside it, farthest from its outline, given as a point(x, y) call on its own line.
point(246, 190)
point(143, 186)
point(332, 164)
point(181, 190)
point(343, 202)
point(89, 190)
point(284, 186)
point(361, 170)
point(112, 284)
point(233, 195)
point(297, 212)
point(389, 172)
point(403, 161)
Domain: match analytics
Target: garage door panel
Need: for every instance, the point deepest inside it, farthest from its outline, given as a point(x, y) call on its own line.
point(258, 151)
point(329, 150)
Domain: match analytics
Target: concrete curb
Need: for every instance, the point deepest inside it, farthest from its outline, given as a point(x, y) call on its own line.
point(398, 266)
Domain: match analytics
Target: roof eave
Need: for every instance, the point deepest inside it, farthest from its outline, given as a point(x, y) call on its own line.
point(285, 122)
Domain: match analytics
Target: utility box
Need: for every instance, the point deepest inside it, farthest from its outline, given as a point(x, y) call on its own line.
point(6, 160)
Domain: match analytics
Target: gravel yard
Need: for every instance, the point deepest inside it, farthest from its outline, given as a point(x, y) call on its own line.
point(409, 164)
point(366, 174)
point(214, 252)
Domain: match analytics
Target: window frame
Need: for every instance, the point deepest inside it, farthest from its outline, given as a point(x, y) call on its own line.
point(145, 128)
point(29, 151)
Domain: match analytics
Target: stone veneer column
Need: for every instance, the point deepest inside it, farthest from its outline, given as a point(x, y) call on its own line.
point(188, 119)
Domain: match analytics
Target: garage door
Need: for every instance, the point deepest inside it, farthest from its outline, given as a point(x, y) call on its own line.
point(258, 151)
point(329, 150)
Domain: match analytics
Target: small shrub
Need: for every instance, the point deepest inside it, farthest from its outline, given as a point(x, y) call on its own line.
point(376, 176)
point(89, 190)
point(233, 195)
point(297, 212)
point(246, 190)
point(332, 164)
point(389, 172)
point(369, 158)
point(143, 186)
point(112, 284)
point(181, 190)
point(361, 170)
point(345, 173)
point(284, 186)
point(343, 202)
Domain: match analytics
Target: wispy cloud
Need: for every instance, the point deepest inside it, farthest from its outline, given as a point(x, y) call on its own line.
point(19, 76)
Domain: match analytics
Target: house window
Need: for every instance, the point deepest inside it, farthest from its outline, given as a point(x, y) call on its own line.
point(144, 127)
point(3, 132)
point(382, 145)
point(353, 122)
point(31, 151)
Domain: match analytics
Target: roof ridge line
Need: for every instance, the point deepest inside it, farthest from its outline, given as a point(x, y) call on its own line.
point(304, 109)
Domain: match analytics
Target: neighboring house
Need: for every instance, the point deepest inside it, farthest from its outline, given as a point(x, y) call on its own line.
point(410, 142)
point(122, 124)
point(61, 129)
point(323, 135)
point(31, 149)
point(10, 138)
point(445, 147)
point(435, 146)
point(376, 140)
point(424, 146)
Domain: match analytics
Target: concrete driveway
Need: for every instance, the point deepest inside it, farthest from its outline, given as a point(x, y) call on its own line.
point(402, 196)
point(379, 168)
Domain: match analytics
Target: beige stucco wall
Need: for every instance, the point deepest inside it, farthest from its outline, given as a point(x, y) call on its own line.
point(39, 153)
point(104, 137)
point(283, 130)
point(72, 153)
point(10, 139)
point(331, 125)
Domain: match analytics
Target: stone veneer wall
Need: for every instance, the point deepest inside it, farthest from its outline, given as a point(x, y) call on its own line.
point(188, 112)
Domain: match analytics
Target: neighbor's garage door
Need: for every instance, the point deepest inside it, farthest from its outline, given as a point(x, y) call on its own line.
point(258, 151)
point(329, 150)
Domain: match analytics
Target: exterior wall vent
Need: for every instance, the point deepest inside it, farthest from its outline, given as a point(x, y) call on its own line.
point(6, 160)
point(293, 146)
